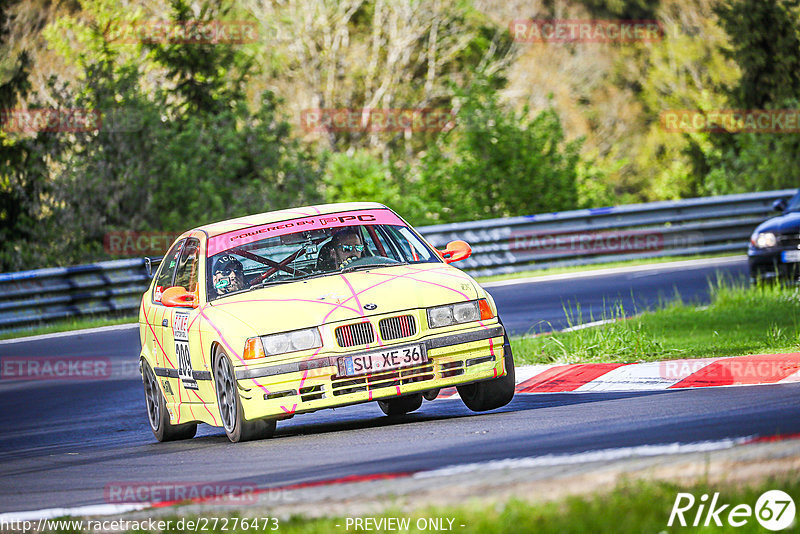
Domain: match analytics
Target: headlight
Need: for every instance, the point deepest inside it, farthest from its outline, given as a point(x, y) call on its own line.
point(463, 312)
point(763, 240)
point(275, 344)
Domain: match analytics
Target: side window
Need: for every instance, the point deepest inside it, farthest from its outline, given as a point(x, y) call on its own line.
point(380, 246)
point(167, 270)
point(186, 273)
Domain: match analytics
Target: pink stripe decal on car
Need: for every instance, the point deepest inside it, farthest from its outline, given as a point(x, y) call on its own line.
point(229, 240)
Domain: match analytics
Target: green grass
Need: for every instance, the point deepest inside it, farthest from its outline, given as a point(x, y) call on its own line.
point(739, 320)
point(67, 325)
point(607, 265)
point(632, 506)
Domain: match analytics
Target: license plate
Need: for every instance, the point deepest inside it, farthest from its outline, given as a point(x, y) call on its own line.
point(790, 256)
point(383, 360)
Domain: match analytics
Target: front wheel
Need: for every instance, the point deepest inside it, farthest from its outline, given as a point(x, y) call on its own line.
point(230, 406)
point(157, 414)
point(401, 405)
point(491, 394)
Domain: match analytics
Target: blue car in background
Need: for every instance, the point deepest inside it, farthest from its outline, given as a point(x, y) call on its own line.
point(774, 250)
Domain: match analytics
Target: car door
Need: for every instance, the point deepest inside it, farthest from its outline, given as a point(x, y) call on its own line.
point(157, 319)
point(184, 328)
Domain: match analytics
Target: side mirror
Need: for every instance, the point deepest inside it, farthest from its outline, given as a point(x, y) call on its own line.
point(178, 297)
point(779, 205)
point(456, 251)
point(150, 264)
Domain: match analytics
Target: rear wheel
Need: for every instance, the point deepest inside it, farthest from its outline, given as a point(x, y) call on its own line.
point(491, 394)
point(157, 413)
point(230, 406)
point(401, 405)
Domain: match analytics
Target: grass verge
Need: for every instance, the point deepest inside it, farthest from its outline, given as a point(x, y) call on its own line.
point(632, 506)
point(66, 325)
point(739, 320)
point(594, 266)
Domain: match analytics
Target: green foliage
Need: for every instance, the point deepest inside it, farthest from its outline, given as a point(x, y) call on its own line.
point(198, 132)
point(161, 160)
point(207, 77)
point(624, 9)
point(765, 42)
point(23, 184)
point(360, 176)
point(498, 162)
point(753, 161)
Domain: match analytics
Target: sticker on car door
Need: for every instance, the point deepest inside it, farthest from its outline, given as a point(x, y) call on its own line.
point(180, 326)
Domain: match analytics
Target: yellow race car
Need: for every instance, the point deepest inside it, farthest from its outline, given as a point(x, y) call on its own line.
point(256, 319)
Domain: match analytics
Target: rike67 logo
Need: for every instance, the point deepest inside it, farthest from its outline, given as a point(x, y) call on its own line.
point(774, 510)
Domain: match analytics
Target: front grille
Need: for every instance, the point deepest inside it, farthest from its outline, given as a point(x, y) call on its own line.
point(344, 386)
point(452, 369)
point(352, 335)
point(312, 393)
point(789, 240)
point(397, 327)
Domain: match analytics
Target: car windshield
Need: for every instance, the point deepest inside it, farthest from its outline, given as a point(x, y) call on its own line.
point(794, 203)
point(312, 253)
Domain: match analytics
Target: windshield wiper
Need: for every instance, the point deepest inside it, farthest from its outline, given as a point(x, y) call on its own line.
point(267, 283)
point(372, 266)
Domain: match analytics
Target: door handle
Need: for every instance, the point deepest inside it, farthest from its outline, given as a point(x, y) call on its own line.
point(165, 323)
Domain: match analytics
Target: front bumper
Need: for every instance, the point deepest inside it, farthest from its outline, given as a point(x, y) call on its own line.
point(455, 358)
point(767, 264)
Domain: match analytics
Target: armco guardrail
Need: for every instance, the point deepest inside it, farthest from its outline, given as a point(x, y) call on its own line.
point(46, 295)
point(580, 237)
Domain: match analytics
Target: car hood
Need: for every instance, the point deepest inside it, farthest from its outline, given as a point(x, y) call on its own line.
point(348, 296)
point(783, 224)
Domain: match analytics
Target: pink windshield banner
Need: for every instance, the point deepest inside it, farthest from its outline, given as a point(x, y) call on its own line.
point(244, 236)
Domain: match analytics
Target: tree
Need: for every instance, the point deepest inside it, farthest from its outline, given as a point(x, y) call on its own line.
point(167, 158)
point(23, 185)
point(499, 163)
point(765, 43)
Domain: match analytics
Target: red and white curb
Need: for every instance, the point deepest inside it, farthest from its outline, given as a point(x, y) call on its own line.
point(673, 374)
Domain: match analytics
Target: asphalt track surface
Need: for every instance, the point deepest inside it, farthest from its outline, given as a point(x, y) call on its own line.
point(63, 442)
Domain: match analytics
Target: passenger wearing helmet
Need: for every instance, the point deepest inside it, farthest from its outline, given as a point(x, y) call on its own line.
point(228, 275)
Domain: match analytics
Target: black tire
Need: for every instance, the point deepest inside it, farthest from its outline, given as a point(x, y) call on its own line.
point(401, 405)
point(230, 407)
point(491, 394)
point(431, 394)
point(157, 413)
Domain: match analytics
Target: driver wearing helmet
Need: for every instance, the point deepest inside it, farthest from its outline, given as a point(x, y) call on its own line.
point(228, 275)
